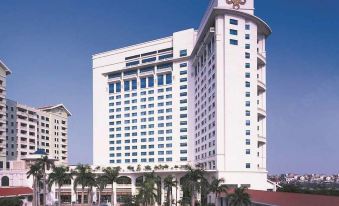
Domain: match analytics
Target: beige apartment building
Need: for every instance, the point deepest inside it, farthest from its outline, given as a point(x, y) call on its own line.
point(29, 129)
point(4, 71)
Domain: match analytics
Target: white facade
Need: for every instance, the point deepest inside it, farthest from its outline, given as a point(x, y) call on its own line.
point(140, 103)
point(29, 129)
point(4, 71)
point(216, 93)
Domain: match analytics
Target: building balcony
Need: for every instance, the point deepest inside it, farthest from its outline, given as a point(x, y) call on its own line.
point(261, 59)
point(261, 86)
point(261, 113)
point(261, 139)
point(2, 128)
point(2, 95)
point(22, 114)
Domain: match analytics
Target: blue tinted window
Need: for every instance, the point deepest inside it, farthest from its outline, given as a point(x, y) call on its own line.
point(168, 78)
point(126, 85)
point(150, 81)
point(149, 60)
point(160, 80)
point(143, 82)
point(111, 88)
point(134, 84)
point(183, 65)
point(132, 63)
point(234, 21)
point(183, 53)
point(118, 87)
point(233, 42)
point(166, 56)
point(233, 32)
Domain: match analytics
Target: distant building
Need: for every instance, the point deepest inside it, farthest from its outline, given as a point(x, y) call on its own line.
point(4, 71)
point(29, 129)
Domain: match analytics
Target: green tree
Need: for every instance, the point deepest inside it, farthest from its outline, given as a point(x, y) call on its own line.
point(148, 192)
point(10, 201)
point(36, 172)
point(45, 165)
point(83, 173)
point(192, 182)
point(239, 197)
point(169, 183)
point(59, 176)
point(101, 183)
point(111, 174)
point(129, 200)
point(217, 188)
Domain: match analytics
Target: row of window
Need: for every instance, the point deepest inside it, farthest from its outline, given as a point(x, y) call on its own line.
point(144, 160)
point(144, 83)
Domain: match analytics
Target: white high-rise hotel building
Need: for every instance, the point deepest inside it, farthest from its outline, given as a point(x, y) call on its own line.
point(196, 97)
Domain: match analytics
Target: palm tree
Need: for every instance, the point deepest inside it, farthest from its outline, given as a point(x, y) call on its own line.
point(91, 182)
point(169, 183)
point(239, 198)
point(45, 164)
point(111, 174)
point(35, 172)
point(59, 176)
point(192, 182)
point(147, 192)
point(217, 188)
point(82, 175)
point(101, 183)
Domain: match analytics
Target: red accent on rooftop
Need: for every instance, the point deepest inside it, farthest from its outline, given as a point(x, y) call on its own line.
point(291, 199)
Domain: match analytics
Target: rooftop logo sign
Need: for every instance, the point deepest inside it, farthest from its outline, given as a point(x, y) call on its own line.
point(236, 3)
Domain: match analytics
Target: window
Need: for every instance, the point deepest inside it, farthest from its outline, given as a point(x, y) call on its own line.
point(247, 27)
point(183, 72)
point(134, 84)
point(168, 78)
point(118, 87)
point(111, 88)
point(248, 165)
point(132, 63)
point(233, 42)
point(248, 151)
point(143, 82)
point(248, 122)
point(166, 56)
point(247, 46)
point(248, 75)
point(126, 85)
point(248, 141)
point(247, 55)
point(248, 113)
point(248, 104)
point(149, 60)
point(233, 32)
point(183, 65)
point(247, 36)
point(160, 80)
point(150, 81)
point(248, 94)
point(233, 21)
point(183, 53)
point(248, 84)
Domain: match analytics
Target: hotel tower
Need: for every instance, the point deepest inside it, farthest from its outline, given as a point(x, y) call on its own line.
point(197, 97)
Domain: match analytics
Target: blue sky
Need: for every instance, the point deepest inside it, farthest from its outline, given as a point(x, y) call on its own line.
point(48, 46)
